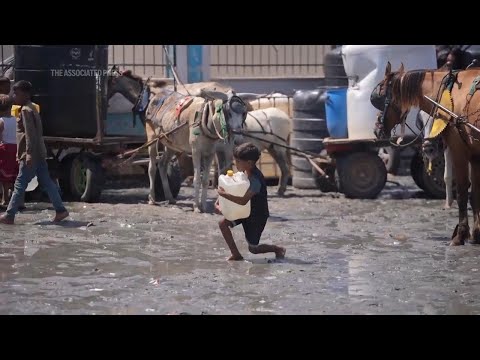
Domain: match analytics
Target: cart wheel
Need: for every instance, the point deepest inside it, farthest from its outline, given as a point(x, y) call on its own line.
point(83, 177)
point(416, 170)
point(174, 180)
point(323, 183)
point(361, 175)
point(434, 184)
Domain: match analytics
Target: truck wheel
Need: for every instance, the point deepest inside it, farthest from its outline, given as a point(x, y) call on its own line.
point(361, 175)
point(83, 177)
point(174, 180)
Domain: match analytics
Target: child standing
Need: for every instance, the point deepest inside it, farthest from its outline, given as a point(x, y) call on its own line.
point(246, 157)
point(31, 153)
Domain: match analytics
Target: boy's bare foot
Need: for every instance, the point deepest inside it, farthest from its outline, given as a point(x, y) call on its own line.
point(235, 258)
point(280, 253)
point(60, 216)
point(6, 220)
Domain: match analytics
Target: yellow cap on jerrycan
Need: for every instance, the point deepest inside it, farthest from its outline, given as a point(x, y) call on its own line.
point(230, 172)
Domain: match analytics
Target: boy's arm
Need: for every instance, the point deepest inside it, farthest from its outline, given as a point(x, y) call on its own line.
point(28, 122)
point(240, 200)
point(217, 206)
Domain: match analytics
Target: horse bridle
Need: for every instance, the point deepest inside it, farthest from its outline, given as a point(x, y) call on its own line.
point(383, 101)
point(136, 109)
point(226, 108)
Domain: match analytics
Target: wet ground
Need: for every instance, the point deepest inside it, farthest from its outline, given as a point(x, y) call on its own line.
point(384, 256)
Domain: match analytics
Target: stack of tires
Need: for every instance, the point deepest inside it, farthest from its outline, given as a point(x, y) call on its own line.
point(309, 130)
point(310, 125)
point(333, 68)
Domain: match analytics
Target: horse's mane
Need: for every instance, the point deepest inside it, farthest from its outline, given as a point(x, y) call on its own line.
point(129, 74)
point(408, 87)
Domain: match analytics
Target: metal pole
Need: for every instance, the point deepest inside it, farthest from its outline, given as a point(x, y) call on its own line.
point(455, 116)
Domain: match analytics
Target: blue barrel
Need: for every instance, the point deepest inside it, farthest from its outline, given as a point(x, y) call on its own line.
point(336, 113)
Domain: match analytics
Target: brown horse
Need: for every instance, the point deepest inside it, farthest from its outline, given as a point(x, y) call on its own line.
point(402, 90)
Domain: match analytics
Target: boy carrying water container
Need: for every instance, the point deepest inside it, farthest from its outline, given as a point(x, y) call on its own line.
point(246, 157)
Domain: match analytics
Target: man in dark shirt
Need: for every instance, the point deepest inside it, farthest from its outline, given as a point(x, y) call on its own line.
point(246, 157)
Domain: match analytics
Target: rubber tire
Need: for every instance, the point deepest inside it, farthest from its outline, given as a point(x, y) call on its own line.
point(434, 184)
point(174, 180)
point(303, 183)
point(417, 167)
point(302, 177)
point(325, 185)
point(95, 178)
point(348, 168)
point(393, 163)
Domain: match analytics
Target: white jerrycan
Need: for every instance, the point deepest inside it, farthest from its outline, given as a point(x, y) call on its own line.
point(235, 184)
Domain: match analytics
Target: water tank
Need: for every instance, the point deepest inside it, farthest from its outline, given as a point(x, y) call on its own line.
point(309, 130)
point(336, 112)
point(333, 68)
point(69, 84)
point(365, 65)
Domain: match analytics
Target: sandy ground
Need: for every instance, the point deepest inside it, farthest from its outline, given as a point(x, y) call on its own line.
point(122, 256)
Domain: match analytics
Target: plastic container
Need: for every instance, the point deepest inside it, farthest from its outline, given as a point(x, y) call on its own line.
point(277, 100)
point(16, 109)
point(235, 184)
point(336, 111)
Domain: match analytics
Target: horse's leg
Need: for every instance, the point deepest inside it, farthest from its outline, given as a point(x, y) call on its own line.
point(152, 169)
point(447, 177)
point(197, 167)
point(475, 201)
point(280, 156)
point(462, 231)
point(162, 169)
point(152, 164)
point(207, 157)
point(225, 158)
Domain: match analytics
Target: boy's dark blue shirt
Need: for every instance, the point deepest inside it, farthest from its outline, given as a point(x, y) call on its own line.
point(259, 202)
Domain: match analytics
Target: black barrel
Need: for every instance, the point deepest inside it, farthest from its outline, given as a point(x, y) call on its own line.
point(309, 130)
point(333, 68)
point(470, 54)
point(69, 83)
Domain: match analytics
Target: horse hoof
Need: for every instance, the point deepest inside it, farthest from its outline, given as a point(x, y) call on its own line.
point(197, 210)
point(456, 243)
point(151, 202)
point(172, 202)
point(281, 193)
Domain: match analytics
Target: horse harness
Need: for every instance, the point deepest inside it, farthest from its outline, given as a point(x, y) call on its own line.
point(213, 110)
point(447, 84)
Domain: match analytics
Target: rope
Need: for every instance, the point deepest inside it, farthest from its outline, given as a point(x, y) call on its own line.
point(147, 144)
point(223, 124)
